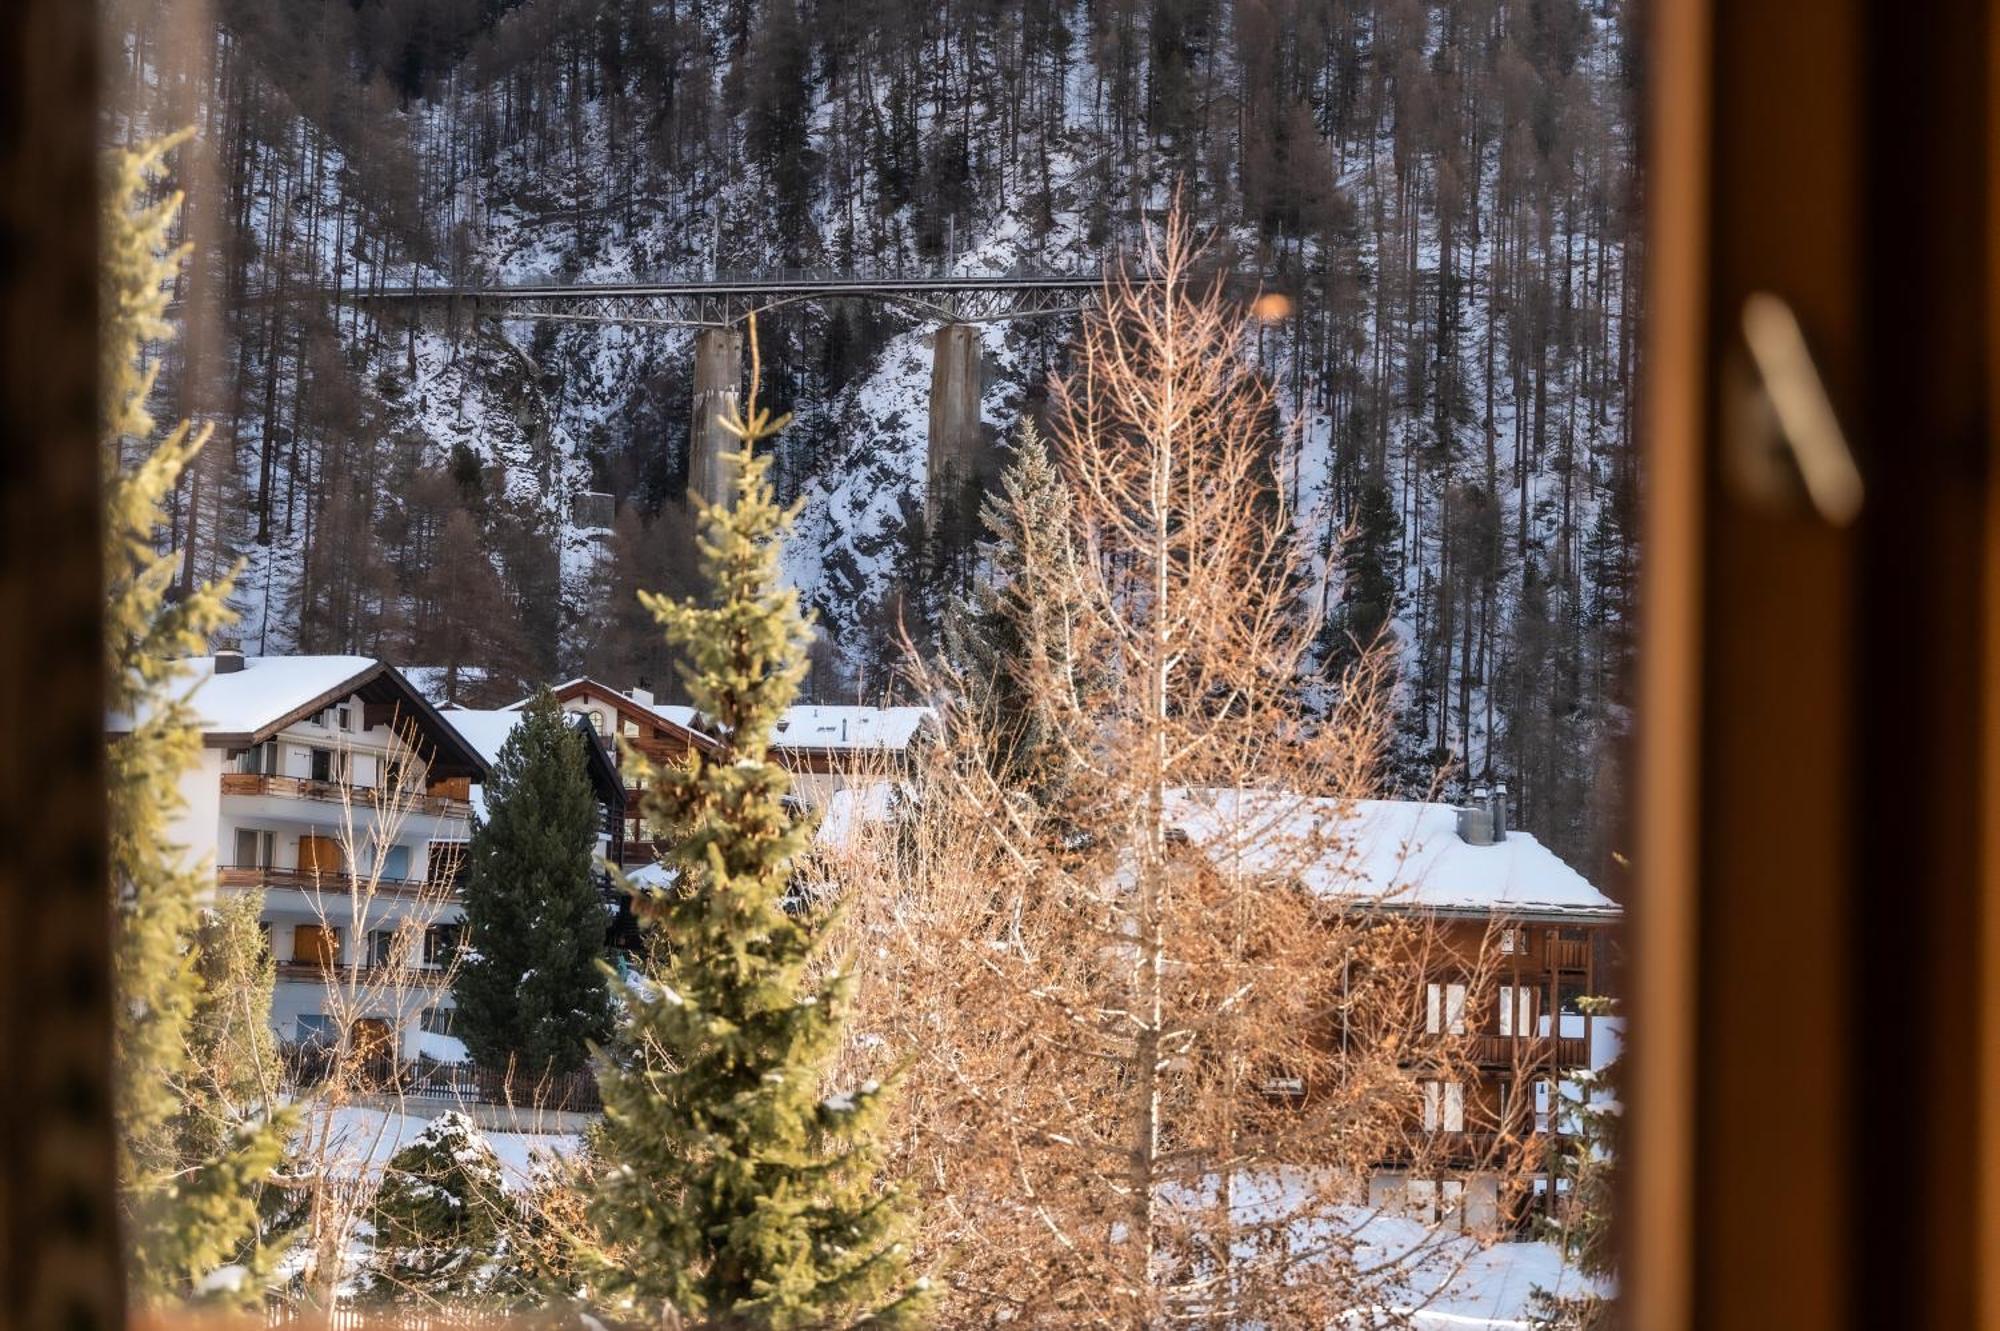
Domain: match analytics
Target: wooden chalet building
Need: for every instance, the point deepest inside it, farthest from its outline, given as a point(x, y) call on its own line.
point(664, 733)
point(825, 748)
point(1517, 937)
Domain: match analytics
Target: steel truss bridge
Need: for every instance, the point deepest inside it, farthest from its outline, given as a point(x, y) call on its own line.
point(722, 302)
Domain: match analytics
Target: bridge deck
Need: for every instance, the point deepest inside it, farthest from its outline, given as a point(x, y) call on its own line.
point(738, 287)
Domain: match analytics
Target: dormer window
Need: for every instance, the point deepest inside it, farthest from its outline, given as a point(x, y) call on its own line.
point(344, 717)
point(597, 720)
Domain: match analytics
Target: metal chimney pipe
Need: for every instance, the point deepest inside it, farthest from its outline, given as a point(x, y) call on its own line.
point(1499, 807)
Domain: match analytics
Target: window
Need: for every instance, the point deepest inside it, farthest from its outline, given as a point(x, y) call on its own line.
point(441, 942)
point(446, 856)
point(596, 720)
point(322, 764)
point(1517, 1010)
point(1444, 1009)
point(255, 849)
point(1511, 942)
point(258, 759)
point(1444, 1106)
point(320, 854)
point(396, 862)
point(631, 730)
point(343, 717)
point(317, 1028)
point(436, 1019)
point(315, 945)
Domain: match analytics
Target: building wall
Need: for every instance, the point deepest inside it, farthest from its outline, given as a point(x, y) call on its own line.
point(392, 843)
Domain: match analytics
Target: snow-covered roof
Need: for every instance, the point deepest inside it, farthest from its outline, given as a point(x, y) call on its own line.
point(850, 728)
point(263, 693)
point(675, 715)
point(1405, 853)
point(486, 731)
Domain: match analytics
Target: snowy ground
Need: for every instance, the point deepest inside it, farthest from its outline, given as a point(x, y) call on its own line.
point(362, 1140)
point(1454, 1284)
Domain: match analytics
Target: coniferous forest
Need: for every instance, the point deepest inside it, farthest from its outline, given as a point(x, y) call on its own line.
point(1446, 193)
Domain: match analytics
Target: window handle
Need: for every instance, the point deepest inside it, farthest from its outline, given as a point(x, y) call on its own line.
point(1781, 433)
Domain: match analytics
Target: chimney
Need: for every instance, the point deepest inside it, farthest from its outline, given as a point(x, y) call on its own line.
point(1475, 822)
point(644, 697)
point(228, 660)
point(1499, 807)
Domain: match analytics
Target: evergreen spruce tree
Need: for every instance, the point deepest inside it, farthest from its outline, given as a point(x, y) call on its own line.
point(1017, 625)
point(530, 990)
point(192, 1145)
point(738, 1192)
point(439, 1216)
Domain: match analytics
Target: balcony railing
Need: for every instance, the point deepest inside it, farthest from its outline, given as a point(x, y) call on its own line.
point(334, 792)
point(1568, 954)
point(329, 880)
point(341, 972)
point(1510, 1050)
point(1476, 1150)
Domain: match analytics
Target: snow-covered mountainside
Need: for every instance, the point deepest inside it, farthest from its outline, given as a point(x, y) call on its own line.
point(1446, 189)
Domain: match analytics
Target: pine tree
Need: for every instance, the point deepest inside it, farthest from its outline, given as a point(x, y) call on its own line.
point(190, 1151)
point(1019, 624)
point(439, 1216)
point(739, 1193)
point(530, 990)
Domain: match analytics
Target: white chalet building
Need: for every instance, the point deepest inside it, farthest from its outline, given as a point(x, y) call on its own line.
point(329, 784)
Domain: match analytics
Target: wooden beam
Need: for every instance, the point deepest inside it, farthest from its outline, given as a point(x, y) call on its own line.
point(60, 1263)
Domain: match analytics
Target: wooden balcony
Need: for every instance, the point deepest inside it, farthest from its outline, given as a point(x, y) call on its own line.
point(1508, 1051)
point(333, 792)
point(1469, 1150)
point(339, 972)
point(329, 880)
point(1568, 954)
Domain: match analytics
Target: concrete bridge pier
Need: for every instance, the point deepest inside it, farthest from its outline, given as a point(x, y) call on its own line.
point(955, 433)
point(718, 384)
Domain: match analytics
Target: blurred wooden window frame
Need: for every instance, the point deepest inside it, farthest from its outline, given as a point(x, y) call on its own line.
point(1818, 752)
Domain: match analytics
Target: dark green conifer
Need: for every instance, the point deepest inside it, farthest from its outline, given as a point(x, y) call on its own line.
point(531, 992)
point(739, 1191)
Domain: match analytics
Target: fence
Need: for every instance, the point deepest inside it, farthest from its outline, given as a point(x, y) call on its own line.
point(310, 1064)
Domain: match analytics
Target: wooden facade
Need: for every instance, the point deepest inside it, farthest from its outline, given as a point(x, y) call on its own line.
point(1501, 1011)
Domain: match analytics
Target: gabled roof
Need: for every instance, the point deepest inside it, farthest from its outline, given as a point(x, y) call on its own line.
point(1405, 854)
point(668, 715)
point(268, 693)
point(850, 729)
point(487, 731)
